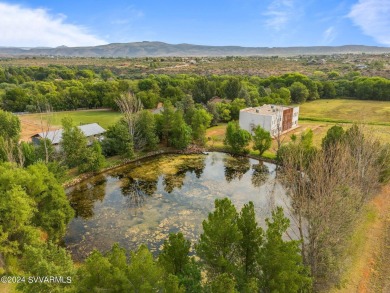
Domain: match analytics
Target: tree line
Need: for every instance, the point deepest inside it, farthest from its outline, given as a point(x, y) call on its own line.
point(69, 88)
point(329, 188)
point(234, 255)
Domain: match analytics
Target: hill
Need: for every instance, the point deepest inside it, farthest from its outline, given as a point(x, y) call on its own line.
point(160, 49)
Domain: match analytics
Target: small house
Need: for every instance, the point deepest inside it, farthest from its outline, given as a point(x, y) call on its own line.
point(91, 131)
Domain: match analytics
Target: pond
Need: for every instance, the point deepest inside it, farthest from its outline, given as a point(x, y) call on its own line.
point(143, 202)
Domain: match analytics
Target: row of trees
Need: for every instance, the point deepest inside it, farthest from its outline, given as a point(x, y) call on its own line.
point(96, 90)
point(141, 130)
point(234, 252)
point(328, 188)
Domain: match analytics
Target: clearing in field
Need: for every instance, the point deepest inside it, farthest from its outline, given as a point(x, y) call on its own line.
point(325, 114)
point(347, 111)
point(31, 123)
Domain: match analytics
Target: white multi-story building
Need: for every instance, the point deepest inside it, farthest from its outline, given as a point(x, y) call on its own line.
point(273, 118)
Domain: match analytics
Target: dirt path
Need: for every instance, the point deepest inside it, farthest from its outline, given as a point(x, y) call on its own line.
point(371, 272)
point(380, 271)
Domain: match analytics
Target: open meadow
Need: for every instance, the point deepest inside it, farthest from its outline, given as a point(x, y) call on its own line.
point(321, 115)
point(375, 112)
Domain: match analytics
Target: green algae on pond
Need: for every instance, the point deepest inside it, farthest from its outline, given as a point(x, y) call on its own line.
point(145, 201)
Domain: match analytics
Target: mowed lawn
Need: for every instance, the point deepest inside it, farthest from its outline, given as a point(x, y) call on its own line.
point(347, 110)
point(31, 123)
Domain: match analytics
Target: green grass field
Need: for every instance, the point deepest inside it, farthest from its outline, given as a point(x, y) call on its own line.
point(346, 111)
point(104, 117)
point(325, 114)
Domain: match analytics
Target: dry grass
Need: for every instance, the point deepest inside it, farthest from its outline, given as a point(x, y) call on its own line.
point(347, 110)
point(368, 256)
point(217, 134)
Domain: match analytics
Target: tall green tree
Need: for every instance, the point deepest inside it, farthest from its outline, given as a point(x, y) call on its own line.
point(236, 138)
point(224, 283)
point(281, 261)
point(180, 133)
point(218, 244)
point(235, 108)
point(93, 159)
point(334, 135)
point(250, 243)
point(232, 88)
point(144, 273)
point(31, 198)
point(17, 211)
point(73, 143)
point(146, 131)
point(117, 141)
point(299, 92)
point(174, 255)
point(262, 140)
point(101, 273)
point(165, 122)
point(200, 121)
point(47, 260)
point(9, 125)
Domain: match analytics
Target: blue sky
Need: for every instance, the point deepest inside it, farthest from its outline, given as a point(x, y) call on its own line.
point(260, 23)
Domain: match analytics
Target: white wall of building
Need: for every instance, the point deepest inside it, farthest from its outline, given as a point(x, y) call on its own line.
point(248, 120)
point(295, 116)
point(271, 121)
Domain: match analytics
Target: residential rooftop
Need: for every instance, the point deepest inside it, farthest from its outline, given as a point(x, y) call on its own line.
point(88, 130)
point(265, 109)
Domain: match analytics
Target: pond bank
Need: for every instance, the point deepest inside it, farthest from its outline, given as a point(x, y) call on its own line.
point(142, 202)
point(189, 151)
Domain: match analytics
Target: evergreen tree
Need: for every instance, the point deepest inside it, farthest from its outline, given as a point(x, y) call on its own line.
point(174, 255)
point(97, 275)
point(281, 261)
point(223, 283)
point(218, 244)
point(146, 131)
point(166, 122)
point(334, 135)
point(144, 273)
point(251, 242)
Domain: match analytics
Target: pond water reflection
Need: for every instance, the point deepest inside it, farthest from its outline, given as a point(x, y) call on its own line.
point(143, 202)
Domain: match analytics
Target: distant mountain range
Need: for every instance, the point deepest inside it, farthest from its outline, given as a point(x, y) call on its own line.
point(159, 49)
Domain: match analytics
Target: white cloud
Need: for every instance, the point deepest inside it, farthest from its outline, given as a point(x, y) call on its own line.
point(373, 17)
point(329, 35)
point(280, 12)
point(27, 27)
